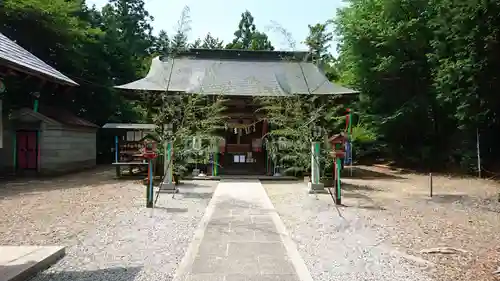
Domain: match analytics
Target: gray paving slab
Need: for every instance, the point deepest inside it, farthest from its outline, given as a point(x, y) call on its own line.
point(241, 237)
point(23, 262)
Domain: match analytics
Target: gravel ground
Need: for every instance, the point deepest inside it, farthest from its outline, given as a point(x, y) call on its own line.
point(394, 212)
point(109, 233)
point(340, 244)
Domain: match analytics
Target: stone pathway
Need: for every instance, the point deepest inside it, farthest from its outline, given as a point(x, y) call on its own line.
point(241, 238)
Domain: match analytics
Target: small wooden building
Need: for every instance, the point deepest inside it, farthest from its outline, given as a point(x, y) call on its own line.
point(48, 142)
point(41, 140)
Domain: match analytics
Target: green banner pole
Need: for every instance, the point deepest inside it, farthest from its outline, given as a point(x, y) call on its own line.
point(339, 194)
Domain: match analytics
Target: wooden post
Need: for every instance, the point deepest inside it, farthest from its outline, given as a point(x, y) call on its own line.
point(478, 148)
point(430, 185)
point(117, 167)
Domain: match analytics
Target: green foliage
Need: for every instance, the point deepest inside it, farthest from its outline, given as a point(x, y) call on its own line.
point(247, 37)
point(426, 71)
point(294, 123)
point(210, 42)
point(191, 116)
point(318, 41)
point(180, 39)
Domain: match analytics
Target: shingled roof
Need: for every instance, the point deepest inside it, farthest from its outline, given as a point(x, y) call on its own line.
point(16, 57)
point(237, 73)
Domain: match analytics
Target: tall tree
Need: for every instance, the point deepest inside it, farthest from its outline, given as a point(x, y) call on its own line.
point(384, 47)
point(428, 61)
point(196, 44)
point(247, 37)
point(319, 41)
point(180, 39)
point(129, 24)
point(210, 42)
point(162, 43)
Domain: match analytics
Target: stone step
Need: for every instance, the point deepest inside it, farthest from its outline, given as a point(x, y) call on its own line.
point(19, 263)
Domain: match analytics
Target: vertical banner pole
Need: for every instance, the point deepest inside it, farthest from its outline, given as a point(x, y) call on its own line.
point(338, 200)
point(35, 105)
point(116, 149)
point(149, 190)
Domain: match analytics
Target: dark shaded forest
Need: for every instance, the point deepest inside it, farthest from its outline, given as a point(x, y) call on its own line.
point(427, 71)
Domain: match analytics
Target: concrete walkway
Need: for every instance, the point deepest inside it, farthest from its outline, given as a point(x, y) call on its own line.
point(241, 238)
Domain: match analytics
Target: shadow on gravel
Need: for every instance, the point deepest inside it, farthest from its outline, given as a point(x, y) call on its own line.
point(357, 187)
point(172, 210)
point(450, 198)
point(371, 207)
point(366, 174)
point(192, 185)
point(100, 175)
point(490, 204)
point(115, 274)
point(196, 195)
point(364, 201)
point(283, 182)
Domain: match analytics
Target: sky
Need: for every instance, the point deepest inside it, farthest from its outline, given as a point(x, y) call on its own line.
point(221, 17)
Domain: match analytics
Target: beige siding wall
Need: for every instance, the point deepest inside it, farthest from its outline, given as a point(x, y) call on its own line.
point(64, 149)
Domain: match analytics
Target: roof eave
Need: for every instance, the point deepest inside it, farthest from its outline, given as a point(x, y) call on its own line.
point(29, 71)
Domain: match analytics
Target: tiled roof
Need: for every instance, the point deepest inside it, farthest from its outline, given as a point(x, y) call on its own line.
point(259, 74)
point(15, 56)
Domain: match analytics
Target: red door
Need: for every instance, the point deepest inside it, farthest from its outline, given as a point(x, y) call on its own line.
point(27, 150)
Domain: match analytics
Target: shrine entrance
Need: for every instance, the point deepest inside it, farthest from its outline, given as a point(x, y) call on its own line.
point(243, 152)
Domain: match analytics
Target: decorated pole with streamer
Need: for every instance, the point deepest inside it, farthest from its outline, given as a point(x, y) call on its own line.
point(338, 152)
point(348, 130)
point(216, 162)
